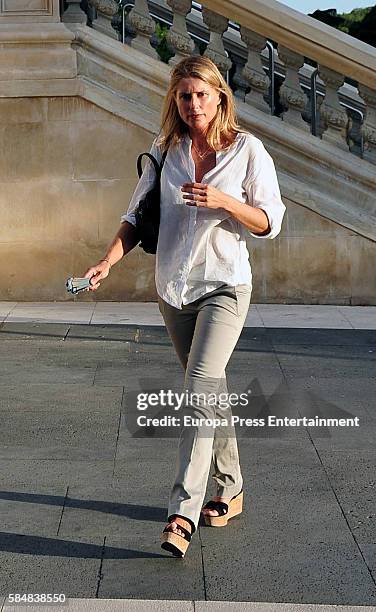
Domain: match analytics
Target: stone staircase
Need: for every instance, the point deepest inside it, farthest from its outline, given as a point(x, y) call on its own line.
point(57, 73)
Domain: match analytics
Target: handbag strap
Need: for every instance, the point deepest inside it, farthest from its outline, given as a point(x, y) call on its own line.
point(158, 167)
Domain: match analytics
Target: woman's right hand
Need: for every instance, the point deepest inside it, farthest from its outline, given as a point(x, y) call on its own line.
point(97, 273)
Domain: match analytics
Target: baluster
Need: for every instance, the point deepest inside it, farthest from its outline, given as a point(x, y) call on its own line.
point(369, 123)
point(128, 31)
point(354, 132)
point(333, 117)
point(91, 14)
point(253, 71)
point(106, 9)
point(74, 13)
point(217, 25)
point(240, 83)
point(140, 20)
point(291, 93)
point(178, 38)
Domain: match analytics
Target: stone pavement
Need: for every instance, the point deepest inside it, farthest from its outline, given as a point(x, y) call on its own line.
point(83, 491)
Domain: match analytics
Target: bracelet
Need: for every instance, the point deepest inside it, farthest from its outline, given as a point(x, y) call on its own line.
point(108, 261)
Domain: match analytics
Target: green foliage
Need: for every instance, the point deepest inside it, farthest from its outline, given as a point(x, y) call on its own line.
point(360, 22)
point(355, 15)
point(162, 48)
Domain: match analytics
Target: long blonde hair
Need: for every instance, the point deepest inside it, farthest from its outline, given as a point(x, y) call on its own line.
point(223, 127)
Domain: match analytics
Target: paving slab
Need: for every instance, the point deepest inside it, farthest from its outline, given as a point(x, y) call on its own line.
point(40, 435)
point(255, 338)
point(57, 397)
point(246, 606)
point(5, 309)
point(295, 364)
point(51, 312)
point(353, 478)
point(129, 313)
point(342, 438)
point(38, 564)
point(131, 373)
point(55, 472)
point(109, 511)
point(318, 354)
point(310, 401)
point(19, 370)
point(369, 553)
point(109, 605)
point(136, 566)
point(253, 318)
point(340, 393)
point(36, 511)
point(359, 317)
point(314, 572)
point(80, 426)
point(113, 333)
point(144, 605)
point(15, 357)
point(321, 336)
point(31, 330)
point(74, 354)
point(66, 429)
point(302, 315)
point(158, 464)
point(280, 452)
point(307, 508)
point(265, 380)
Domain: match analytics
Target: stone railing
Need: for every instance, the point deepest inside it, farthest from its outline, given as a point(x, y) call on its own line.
point(338, 112)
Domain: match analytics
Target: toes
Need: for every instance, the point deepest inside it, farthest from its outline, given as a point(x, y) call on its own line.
point(210, 512)
point(175, 528)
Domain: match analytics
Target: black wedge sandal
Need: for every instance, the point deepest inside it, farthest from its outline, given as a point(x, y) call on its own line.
point(174, 542)
point(225, 511)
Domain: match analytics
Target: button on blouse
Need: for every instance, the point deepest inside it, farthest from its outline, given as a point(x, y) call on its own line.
point(199, 248)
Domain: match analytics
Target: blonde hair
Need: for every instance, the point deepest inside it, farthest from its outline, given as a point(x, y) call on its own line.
point(223, 127)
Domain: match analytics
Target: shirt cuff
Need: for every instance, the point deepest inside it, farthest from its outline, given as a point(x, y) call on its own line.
point(274, 228)
point(128, 217)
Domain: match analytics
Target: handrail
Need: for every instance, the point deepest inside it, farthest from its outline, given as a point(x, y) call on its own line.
point(305, 35)
point(272, 67)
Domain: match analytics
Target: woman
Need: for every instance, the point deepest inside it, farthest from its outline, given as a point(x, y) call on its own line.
point(218, 185)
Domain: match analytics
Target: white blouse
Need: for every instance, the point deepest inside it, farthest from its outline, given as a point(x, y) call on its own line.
point(199, 248)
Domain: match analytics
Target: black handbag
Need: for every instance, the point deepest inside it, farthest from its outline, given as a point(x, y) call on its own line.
point(148, 211)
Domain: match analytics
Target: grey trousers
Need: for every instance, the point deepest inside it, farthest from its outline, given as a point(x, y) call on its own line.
point(204, 334)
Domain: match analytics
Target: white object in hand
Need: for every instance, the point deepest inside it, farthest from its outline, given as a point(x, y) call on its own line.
point(75, 285)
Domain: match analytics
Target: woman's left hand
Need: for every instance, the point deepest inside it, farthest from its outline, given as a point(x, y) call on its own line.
point(200, 194)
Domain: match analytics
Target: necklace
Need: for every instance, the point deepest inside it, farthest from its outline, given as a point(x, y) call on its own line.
point(201, 155)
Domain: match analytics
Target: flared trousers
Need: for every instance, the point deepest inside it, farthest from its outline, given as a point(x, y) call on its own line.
point(204, 334)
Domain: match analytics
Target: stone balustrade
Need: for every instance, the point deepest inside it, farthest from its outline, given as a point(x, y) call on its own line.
point(250, 80)
point(77, 106)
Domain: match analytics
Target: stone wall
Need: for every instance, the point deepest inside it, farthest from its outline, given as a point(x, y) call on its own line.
point(313, 261)
point(67, 171)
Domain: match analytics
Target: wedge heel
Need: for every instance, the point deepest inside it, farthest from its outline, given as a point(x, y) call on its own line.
point(225, 511)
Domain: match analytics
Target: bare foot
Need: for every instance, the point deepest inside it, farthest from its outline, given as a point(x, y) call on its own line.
point(175, 526)
point(208, 512)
